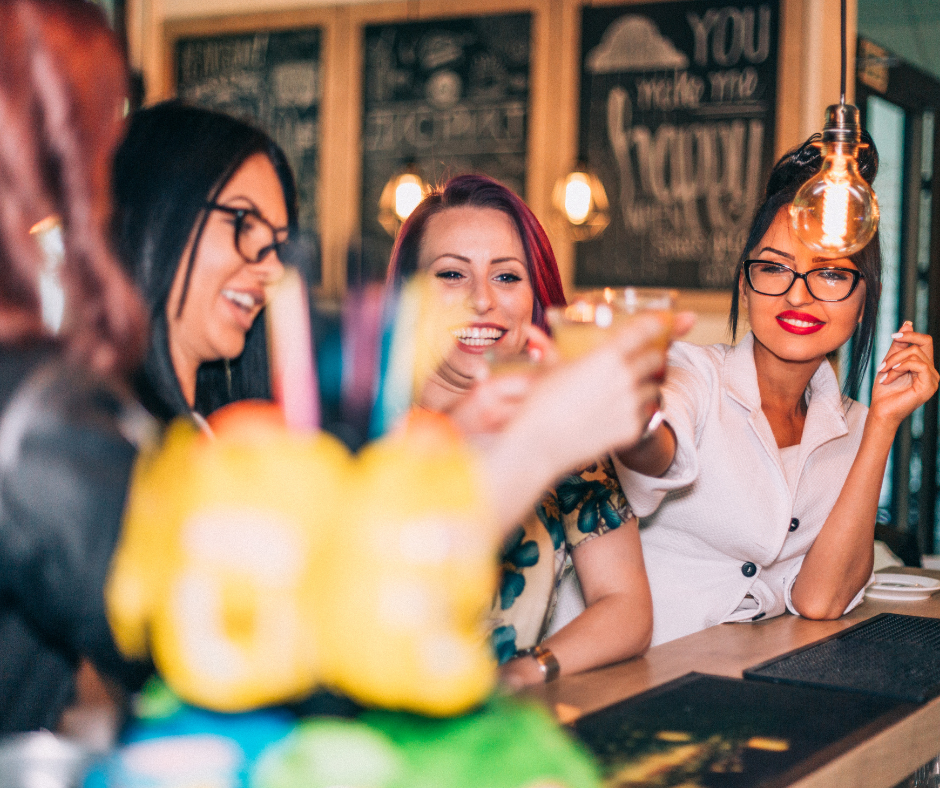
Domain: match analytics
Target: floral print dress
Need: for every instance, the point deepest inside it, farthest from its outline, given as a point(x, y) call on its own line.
point(582, 507)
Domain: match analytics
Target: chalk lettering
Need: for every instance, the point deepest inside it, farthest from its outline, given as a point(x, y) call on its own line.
point(386, 130)
point(681, 185)
point(665, 93)
point(733, 34)
point(733, 85)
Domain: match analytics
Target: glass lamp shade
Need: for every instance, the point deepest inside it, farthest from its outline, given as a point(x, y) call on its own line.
point(580, 204)
point(401, 195)
point(836, 211)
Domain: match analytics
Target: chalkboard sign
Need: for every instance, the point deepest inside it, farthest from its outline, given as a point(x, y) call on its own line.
point(271, 79)
point(450, 96)
point(677, 118)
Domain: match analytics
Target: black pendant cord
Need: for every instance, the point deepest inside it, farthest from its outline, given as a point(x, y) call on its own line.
point(844, 56)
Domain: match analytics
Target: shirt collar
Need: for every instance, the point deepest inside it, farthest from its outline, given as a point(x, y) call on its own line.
point(825, 418)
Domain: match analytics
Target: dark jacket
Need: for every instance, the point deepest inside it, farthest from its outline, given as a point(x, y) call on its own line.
point(67, 447)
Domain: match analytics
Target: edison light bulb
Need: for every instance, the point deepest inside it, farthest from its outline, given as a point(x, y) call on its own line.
point(408, 193)
point(836, 211)
point(577, 197)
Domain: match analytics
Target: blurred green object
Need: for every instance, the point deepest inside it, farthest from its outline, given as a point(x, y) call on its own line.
point(324, 752)
point(508, 743)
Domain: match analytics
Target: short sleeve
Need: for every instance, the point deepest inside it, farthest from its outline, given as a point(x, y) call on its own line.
point(591, 503)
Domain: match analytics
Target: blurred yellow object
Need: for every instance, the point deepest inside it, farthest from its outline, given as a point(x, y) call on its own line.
point(218, 560)
point(259, 565)
point(405, 627)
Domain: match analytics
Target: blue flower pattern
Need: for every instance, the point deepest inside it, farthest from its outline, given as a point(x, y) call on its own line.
point(584, 505)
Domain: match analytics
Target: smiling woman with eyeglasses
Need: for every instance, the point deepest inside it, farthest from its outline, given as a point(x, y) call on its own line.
point(205, 213)
point(774, 472)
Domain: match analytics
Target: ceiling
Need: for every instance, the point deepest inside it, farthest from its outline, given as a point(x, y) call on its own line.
point(908, 28)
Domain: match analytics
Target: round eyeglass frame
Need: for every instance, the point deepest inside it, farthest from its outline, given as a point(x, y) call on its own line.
point(857, 276)
point(239, 215)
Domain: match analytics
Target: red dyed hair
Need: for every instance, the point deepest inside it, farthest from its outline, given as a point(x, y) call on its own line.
point(479, 191)
point(63, 84)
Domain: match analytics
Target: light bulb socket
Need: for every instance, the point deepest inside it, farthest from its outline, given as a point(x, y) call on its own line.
point(843, 124)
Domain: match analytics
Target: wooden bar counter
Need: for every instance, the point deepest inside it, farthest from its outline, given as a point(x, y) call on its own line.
point(728, 649)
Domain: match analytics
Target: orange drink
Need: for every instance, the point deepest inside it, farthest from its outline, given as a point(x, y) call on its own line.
point(587, 321)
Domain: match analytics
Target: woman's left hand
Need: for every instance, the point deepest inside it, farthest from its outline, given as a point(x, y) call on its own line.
point(906, 378)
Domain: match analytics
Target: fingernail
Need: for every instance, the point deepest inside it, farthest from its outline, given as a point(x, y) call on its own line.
point(899, 335)
point(895, 366)
point(881, 367)
point(883, 378)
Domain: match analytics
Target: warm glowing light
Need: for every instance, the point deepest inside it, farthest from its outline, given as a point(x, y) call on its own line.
point(403, 192)
point(408, 194)
point(835, 211)
point(48, 234)
point(579, 204)
point(578, 199)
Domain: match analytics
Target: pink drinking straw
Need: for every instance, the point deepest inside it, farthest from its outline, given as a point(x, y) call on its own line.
point(290, 351)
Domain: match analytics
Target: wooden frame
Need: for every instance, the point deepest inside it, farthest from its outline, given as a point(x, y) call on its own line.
point(332, 142)
point(537, 183)
point(553, 108)
point(341, 106)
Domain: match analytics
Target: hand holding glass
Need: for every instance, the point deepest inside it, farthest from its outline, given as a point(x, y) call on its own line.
point(586, 322)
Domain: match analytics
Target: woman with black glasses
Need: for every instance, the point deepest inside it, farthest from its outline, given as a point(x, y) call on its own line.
point(760, 489)
point(204, 208)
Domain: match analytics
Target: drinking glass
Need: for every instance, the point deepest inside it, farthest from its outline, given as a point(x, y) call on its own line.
point(587, 321)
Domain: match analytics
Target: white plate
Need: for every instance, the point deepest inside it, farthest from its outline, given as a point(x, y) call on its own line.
point(902, 588)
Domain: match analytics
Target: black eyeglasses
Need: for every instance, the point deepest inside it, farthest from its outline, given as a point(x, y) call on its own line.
point(824, 284)
point(255, 236)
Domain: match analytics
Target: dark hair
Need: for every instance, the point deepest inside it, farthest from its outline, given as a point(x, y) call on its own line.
point(788, 175)
point(174, 160)
point(479, 191)
point(63, 84)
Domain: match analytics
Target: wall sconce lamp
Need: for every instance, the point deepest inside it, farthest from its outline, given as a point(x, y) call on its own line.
point(580, 203)
point(836, 211)
point(401, 195)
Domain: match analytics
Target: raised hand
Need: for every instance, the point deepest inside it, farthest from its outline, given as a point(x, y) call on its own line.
point(907, 377)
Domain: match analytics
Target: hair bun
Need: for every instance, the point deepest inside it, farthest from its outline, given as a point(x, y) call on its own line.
point(801, 163)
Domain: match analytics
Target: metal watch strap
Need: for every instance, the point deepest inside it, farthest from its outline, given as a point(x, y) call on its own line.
point(548, 663)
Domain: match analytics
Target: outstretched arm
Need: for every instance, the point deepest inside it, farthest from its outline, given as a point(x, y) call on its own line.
point(654, 453)
point(572, 414)
point(840, 561)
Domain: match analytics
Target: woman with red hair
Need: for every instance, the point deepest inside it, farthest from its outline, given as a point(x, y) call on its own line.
point(67, 424)
point(485, 250)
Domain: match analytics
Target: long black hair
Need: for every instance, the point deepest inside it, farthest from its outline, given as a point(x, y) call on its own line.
point(788, 175)
point(174, 160)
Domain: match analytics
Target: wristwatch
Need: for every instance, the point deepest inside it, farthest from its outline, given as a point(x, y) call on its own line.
point(547, 661)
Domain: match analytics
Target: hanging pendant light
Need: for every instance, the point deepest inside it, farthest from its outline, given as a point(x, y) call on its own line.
point(401, 195)
point(580, 203)
point(836, 211)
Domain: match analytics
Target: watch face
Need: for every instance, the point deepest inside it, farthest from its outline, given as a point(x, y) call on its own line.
point(547, 662)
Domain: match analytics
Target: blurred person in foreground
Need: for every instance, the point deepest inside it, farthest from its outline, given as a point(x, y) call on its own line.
point(68, 428)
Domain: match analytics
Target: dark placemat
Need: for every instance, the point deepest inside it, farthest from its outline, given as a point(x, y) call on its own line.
point(891, 655)
point(719, 732)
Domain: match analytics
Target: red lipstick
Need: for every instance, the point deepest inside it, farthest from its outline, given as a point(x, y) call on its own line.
point(799, 322)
